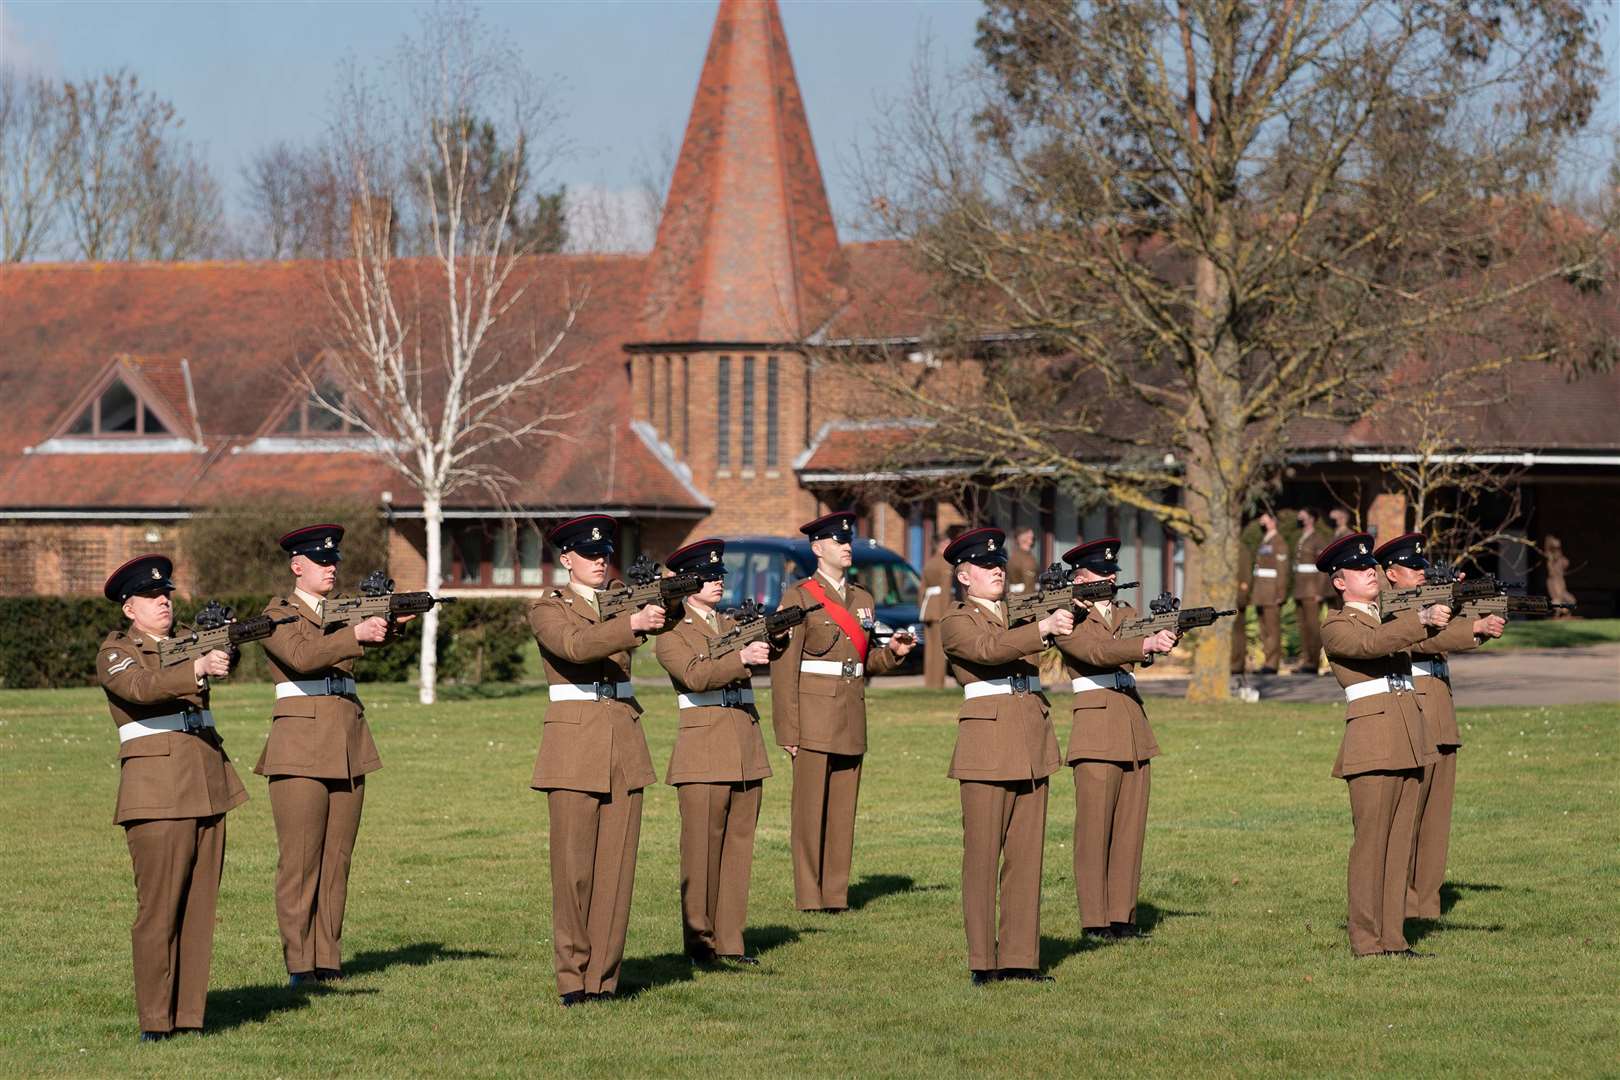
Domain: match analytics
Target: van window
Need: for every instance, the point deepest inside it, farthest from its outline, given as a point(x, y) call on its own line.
point(755, 575)
point(891, 583)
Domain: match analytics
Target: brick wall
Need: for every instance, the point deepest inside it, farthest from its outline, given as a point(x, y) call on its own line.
point(407, 555)
point(70, 558)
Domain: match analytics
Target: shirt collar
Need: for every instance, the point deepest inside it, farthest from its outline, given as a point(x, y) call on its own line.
point(838, 586)
point(992, 606)
point(311, 601)
point(707, 616)
point(585, 591)
point(1370, 609)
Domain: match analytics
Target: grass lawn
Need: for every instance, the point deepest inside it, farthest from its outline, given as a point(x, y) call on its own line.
point(1247, 970)
point(1558, 633)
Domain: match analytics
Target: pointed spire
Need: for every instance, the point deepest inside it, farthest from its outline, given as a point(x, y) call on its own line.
point(746, 249)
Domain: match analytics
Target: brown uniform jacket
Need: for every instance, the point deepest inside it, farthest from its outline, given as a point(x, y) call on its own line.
point(173, 774)
point(826, 713)
point(999, 736)
point(582, 742)
point(936, 575)
point(1109, 725)
point(713, 743)
point(1310, 585)
point(1021, 572)
point(1272, 554)
point(1439, 711)
point(323, 736)
point(1382, 731)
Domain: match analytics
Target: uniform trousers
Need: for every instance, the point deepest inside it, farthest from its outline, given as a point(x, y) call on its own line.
point(1435, 795)
point(177, 869)
point(1240, 641)
point(594, 837)
point(717, 858)
point(933, 657)
point(1110, 825)
point(825, 789)
point(1271, 634)
point(1383, 809)
point(1003, 829)
point(1308, 613)
point(317, 822)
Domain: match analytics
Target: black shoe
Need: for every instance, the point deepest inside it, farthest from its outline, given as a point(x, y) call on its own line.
point(1265, 671)
point(701, 957)
point(1409, 954)
point(983, 978)
point(301, 978)
point(328, 974)
point(600, 995)
point(1026, 975)
point(833, 910)
point(1126, 930)
point(751, 961)
point(155, 1036)
point(1097, 932)
point(572, 998)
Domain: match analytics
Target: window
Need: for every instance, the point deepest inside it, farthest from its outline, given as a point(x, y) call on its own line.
point(770, 413)
point(310, 417)
point(652, 391)
point(686, 408)
point(117, 411)
point(748, 412)
point(501, 570)
point(530, 551)
point(493, 553)
point(669, 398)
point(722, 419)
point(891, 584)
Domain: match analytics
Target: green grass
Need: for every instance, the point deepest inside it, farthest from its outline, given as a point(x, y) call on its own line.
point(1247, 971)
point(1559, 633)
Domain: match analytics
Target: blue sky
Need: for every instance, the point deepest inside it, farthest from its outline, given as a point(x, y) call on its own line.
point(245, 74)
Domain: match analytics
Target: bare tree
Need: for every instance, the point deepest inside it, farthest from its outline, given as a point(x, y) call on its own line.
point(33, 152)
point(294, 203)
point(442, 358)
point(1164, 231)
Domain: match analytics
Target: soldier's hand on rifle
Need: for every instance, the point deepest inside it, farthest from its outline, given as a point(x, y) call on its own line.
point(372, 631)
point(756, 653)
point(1490, 626)
point(215, 663)
point(1162, 642)
point(902, 643)
point(1058, 624)
point(1435, 615)
point(648, 620)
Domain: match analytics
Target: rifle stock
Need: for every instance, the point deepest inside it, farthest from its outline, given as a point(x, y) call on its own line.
point(378, 599)
point(215, 628)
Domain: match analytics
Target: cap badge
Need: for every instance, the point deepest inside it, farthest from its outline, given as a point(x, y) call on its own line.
point(328, 542)
point(1418, 547)
point(1108, 553)
point(1361, 548)
point(596, 533)
point(990, 544)
point(714, 556)
point(157, 574)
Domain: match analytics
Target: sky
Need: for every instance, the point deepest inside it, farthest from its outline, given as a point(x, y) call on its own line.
point(246, 74)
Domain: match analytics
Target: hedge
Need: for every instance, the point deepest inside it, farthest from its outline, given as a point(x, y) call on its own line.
point(52, 642)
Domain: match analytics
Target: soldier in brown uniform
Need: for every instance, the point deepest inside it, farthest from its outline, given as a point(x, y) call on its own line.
point(1111, 748)
point(593, 761)
point(818, 711)
point(175, 785)
point(1385, 745)
point(1310, 589)
point(1005, 751)
point(718, 766)
point(1022, 567)
point(1404, 562)
point(938, 594)
point(1240, 632)
point(317, 757)
point(1269, 590)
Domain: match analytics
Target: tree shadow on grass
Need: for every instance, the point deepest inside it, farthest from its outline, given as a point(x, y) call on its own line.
point(876, 886)
point(639, 974)
point(1453, 891)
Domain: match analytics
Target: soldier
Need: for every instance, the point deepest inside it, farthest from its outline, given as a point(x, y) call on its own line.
point(1240, 625)
point(1111, 748)
point(1022, 566)
point(175, 785)
point(1404, 562)
point(1269, 590)
point(1309, 592)
point(938, 593)
point(1339, 520)
point(818, 710)
point(1005, 751)
point(718, 765)
point(317, 756)
point(593, 761)
point(1385, 745)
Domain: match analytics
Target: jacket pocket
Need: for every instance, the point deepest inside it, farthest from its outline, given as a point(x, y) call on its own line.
point(819, 639)
point(1363, 740)
point(697, 718)
point(146, 746)
point(975, 744)
point(295, 706)
point(819, 685)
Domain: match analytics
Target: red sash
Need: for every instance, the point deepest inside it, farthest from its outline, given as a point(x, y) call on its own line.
point(841, 616)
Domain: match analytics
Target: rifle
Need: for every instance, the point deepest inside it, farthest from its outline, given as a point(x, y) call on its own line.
point(1053, 592)
point(378, 599)
point(1502, 602)
point(754, 625)
point(216, 628)
point(1440, 586)
point(1166, 613)
point(647, 586)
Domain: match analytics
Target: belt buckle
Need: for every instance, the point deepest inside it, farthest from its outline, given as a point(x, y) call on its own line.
point(1119, 681)
point(607, 691)
point(1400, 683)
point(333, 687)
point(848, 669)
point(191, 720)
point(1019, 684)
point(730, 696)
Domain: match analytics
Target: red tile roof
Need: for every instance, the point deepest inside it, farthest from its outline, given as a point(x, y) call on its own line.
point(746, 249)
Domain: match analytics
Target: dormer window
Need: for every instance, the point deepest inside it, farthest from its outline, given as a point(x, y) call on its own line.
point(310, 418)
point(117, 411)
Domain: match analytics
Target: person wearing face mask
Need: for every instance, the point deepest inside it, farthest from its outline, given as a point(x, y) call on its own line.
point(317, 757)
point(1404, 561)
point(593, 762)
point(818, 711)
point(1386, 742)
point(718, 766)
point(1005, 752)
point(1269, 577)
point(1309, 587)
point(175, 785)
point(1111, 748)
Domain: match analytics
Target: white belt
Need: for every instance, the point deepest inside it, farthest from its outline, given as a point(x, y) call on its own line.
point(1264, 571)
point(1434, 669)
point(611, 691)
point(932, 590)
point(852, 669)
point(1306, 568)
point(728, 698)
point(1018, 588)
point(186, 720)
point(1012, 684)
point(1390, 685)
point(330, 686)
point(1119, 680)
